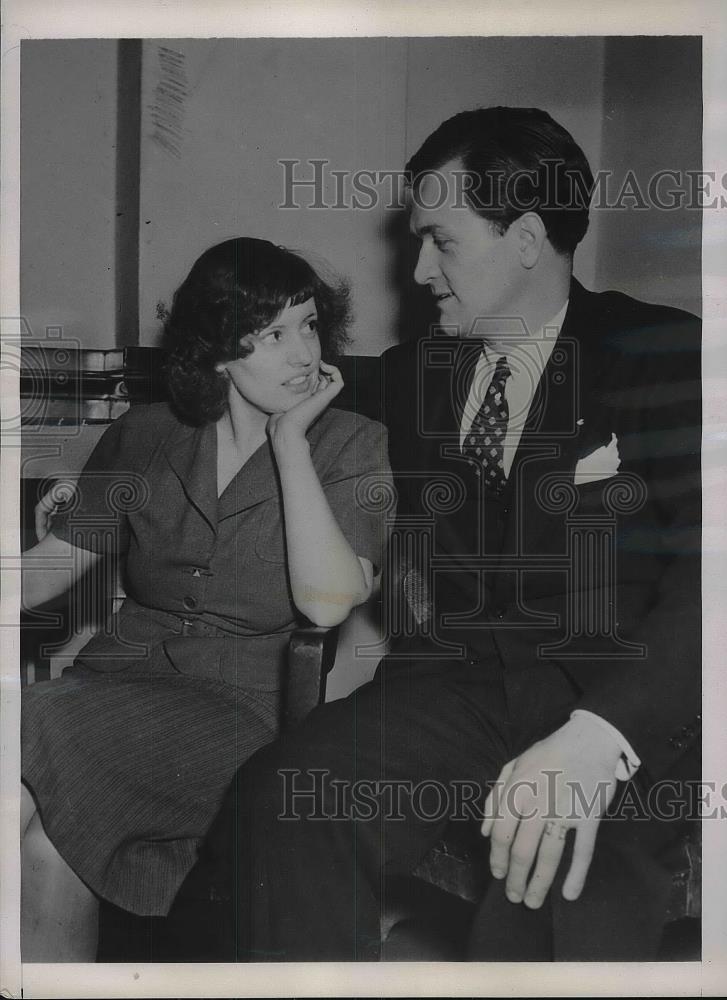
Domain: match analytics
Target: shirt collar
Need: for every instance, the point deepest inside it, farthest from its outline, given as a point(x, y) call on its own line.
point(537, 348)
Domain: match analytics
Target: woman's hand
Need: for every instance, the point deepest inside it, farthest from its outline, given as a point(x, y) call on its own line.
point(48, 505)
point(50, 568)
point(290, 428)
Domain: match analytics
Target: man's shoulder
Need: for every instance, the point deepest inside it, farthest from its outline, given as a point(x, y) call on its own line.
point(400, 355)
point(617, 309)
point(401, 384)
point(402, 366)
point(637, 331)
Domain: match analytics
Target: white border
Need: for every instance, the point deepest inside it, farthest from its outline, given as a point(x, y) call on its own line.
point(218, 18)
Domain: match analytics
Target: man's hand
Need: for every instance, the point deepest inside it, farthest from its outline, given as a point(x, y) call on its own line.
point(291, 426)
point(565, 781)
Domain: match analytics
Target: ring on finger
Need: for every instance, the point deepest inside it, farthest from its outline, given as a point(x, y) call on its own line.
point(551, 826)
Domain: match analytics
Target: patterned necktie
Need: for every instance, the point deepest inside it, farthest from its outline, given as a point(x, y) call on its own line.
point(485, 441)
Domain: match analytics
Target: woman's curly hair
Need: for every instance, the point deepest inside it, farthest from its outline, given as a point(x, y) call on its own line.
point(235, 289)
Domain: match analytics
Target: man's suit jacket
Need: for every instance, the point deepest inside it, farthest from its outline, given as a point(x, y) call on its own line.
point(627, 546)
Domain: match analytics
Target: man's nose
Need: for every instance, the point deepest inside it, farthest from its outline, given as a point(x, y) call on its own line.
point(426, 268)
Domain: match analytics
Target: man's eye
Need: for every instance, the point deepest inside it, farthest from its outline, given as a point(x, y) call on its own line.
point(442, 244)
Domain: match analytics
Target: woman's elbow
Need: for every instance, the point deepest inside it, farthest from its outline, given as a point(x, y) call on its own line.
point(326, 609)
point(327, 616)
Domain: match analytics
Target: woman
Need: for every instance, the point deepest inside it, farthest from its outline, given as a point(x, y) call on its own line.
point(235, 512)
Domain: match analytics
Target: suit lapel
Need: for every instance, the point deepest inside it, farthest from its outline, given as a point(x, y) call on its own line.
point(465, 362)
point(445, 387)
point(562, 414)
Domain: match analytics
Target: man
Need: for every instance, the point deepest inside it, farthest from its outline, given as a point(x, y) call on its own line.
point(556, 577)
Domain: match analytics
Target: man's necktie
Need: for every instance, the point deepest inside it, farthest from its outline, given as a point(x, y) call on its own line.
point(485, 441)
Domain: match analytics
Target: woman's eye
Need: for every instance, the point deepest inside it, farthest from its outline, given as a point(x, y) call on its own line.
point(274, 335)
point(312, 326)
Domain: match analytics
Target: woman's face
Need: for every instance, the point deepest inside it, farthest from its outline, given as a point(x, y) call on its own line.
point(284, 366)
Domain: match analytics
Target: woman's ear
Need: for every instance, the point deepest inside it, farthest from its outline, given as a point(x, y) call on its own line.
point(221, 367)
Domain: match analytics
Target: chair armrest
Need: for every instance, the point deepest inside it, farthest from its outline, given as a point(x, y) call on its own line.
point(311, 655)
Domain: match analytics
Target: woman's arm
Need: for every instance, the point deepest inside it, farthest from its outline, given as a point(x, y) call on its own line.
point(55, 564)
point(327, 578)
point(51, 568)
point(47, 506)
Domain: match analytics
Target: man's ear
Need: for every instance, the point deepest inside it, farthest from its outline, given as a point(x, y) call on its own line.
point(531, 238)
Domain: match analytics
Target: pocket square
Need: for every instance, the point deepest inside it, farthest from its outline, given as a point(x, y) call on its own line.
point(602, 463)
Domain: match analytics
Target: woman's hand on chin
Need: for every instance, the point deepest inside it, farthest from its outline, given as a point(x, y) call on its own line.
point(289, 427)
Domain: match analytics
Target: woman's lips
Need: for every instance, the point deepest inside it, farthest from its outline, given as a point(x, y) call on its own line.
point(300, 383)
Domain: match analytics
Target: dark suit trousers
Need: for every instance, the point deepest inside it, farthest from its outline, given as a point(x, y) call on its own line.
point(311, 888)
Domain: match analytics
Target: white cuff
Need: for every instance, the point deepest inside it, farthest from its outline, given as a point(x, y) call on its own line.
point(629, 763)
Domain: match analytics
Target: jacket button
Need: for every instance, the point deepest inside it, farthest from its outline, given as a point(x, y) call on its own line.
point(190, 603)
point(500, 613)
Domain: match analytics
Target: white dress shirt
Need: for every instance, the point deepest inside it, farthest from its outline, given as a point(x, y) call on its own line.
point(527, 357)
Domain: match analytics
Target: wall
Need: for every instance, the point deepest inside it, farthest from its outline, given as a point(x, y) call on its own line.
point(209, 157)
point(218, 116)
point(68, 188)
point(652, 121)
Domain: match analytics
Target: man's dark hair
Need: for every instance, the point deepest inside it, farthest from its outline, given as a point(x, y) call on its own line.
point(518, 160)
point(235, 289)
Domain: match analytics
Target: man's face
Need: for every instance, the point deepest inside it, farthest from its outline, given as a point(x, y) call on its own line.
point(472, 270)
